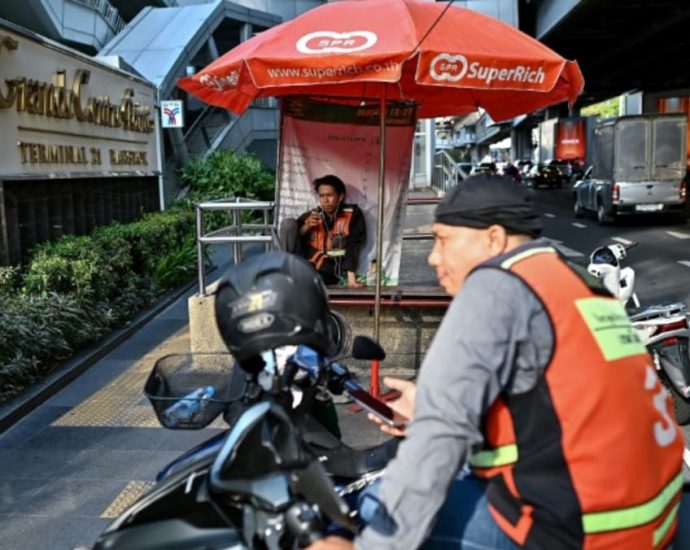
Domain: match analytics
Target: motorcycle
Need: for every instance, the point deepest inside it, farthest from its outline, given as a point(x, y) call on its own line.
point(279, 478)
point(663, 328)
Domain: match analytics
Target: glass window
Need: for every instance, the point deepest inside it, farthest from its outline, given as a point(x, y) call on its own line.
point(631, 151)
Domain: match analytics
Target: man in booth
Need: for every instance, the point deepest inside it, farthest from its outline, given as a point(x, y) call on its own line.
point(330, 236)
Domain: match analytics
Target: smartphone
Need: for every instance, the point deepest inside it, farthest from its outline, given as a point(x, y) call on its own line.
point(375, 406)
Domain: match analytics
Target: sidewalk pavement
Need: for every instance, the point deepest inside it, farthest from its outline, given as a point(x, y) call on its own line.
point(80, 458)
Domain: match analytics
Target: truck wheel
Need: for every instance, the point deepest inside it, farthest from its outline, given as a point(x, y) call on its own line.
point(578, 209)
point(603, 217)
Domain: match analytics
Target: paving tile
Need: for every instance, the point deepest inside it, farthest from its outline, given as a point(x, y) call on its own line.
point(183, 440)
point(65, 438)
point(148, 469)
point(64, 498)
point(49, 533)
point(78, 464)
point(89, 383)
point(132, 439)
point(90, 531)
point(179, 310)
point(15, 492)
point(142, 343)
point(30, 426)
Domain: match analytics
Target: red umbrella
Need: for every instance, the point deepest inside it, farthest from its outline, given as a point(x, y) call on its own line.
point(446, 59)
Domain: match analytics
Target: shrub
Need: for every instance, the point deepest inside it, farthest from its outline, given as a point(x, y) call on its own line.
point(9, 278)
point(76, 289)
point(178, 266)
point(225, 174)
point(37, 332)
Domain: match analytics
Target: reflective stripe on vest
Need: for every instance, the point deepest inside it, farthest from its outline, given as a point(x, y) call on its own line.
point(598, 522)
point(493, 458)
point(526, 254)
point(661, 531)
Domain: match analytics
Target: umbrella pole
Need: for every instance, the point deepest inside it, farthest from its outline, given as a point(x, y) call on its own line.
point(374, 375)
point(379, 225)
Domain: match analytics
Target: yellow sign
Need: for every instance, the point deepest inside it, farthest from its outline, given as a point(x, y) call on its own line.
point(610, 325)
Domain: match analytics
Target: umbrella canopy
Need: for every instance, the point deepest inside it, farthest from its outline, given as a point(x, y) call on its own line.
point(446, 59)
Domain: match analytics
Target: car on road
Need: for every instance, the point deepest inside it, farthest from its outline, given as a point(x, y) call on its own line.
point(512, 171)
point(484, 168)
point(638, 167)
point(564, 168)
point(591, 194)
point(524, 167)
point(543, 175)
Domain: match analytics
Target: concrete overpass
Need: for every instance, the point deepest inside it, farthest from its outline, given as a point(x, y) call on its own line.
point(621, 45)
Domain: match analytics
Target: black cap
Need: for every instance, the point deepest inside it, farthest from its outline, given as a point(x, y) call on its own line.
point(486, 199)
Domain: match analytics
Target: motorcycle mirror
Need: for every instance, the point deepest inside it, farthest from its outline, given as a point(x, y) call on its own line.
point(365, 347)
point(603, 255)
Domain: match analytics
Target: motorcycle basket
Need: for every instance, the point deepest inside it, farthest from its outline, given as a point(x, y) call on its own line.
point(189, 391)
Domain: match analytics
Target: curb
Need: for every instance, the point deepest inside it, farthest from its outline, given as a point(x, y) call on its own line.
point(32, 398)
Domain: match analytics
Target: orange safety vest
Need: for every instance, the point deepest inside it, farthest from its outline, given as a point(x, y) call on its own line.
point(322, 242)
point(590, 457)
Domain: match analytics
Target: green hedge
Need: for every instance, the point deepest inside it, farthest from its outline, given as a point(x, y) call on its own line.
point(225, 174)
point(76, 289)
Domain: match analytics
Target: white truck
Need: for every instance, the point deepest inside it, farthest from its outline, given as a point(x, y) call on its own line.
point(638, 165)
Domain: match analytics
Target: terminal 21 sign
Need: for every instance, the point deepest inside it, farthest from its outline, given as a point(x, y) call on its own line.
point(64, 114)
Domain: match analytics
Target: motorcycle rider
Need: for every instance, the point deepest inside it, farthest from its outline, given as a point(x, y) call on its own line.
point(537, 381)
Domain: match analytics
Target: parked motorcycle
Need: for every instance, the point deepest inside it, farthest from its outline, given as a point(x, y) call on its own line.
point(663, 329)
point(278, 479)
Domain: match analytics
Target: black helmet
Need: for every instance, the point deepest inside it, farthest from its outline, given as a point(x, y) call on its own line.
point(271, 300)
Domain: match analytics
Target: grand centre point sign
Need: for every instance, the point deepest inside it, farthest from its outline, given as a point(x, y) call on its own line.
point(59, 117)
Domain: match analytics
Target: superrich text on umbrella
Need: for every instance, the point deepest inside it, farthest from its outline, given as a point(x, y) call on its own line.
point(455, 67)
point(327, 73)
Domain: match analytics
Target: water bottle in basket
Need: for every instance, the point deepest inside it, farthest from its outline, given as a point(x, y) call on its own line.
point(188, 406)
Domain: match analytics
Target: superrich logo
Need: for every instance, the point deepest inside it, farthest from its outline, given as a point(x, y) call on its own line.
point(336, 42)
point(456, 67)
point(220, 83)
point(448, 67)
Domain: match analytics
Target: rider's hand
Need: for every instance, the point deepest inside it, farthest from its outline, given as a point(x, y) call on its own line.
point(403, 406)
point(332, 543)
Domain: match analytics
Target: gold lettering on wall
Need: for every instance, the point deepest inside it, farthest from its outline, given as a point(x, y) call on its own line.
point(132, 158)
point(41, 153)
point(60, 100)
point(8, 42)
point(6, 100)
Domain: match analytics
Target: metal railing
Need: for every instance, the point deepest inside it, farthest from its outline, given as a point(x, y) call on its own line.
point(445, 173)
point(236, 234)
